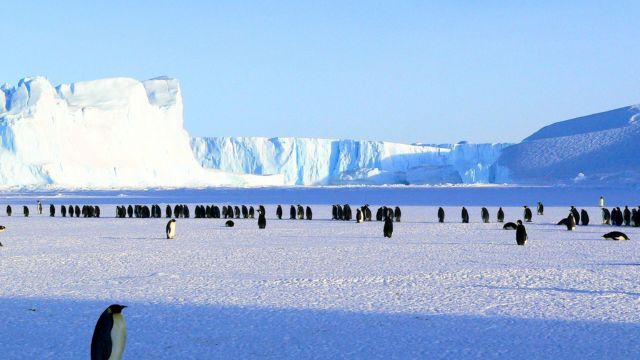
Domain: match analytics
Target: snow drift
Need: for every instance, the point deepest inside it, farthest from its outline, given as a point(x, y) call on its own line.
point(304, 161)
point(596, 149)
point(116, 132)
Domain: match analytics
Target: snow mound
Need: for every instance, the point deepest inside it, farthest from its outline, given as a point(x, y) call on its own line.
point(594, 149)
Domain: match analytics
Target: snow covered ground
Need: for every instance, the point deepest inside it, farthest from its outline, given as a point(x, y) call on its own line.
point(320, 289)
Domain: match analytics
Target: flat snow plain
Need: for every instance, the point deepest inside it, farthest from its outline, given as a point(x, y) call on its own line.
point(320, 289)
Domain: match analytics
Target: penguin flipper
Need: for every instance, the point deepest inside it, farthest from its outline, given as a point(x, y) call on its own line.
point(101, 344)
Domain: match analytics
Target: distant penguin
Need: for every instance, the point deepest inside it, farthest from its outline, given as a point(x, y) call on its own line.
point(465, 215)
point(96, 211)
point(245, 212)
point(25, 211)
point(576, 214)
point(528, 215)
point(339, 211)
point(71, 210)
point(77, 211)
point(309, 213)
point(292, 213)
point(229, 223)
point(39, 208)
point(521, 234)
point(334, 212)
point(601, 201)
point(510, 226)
point(627, 216)
point(500, 216)
point(52, 210)
point(634, 217)
point(606, 216)
point(262, 221)
point(63, 210)
point(167, 211)
point(397, 214)
point(300, 212)
point(109, 335)
point(171, 229)
point(484, 214)
point(616, 235)
point(388, 227)
point(2, 229)
point(367, 213)
point(571, 222)
point(279, 212)
point(378, 214)
point(440, 215)
point(540, 208)
point(617, 217)
point(130, 211)
point(359, 216)
point(252, 212)
point(584, 217)
point(9, 210)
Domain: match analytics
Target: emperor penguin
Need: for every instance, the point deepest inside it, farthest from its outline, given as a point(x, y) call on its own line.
point(110, 335)
point(378, 214)
point(388, 227)
point(262, 221)
point(440, 215)
point(627, 216)
point(63, 210)
point(510, 226)
point(52, 210)
point(571, 222)
point(309, 213)
point(521, 234)
point(334, 212)
point(397, 213)
point(171, 229)
point(527, 214)
point(292, 212)
point(484, 213)
point(584, 217)
point(540, 208)
point(616, 235)
point(39, 208)
point(500, 215)
point(576, 215)
point(25, 210)
point(359, 217)
point(279, 212)
point(601, 201)
point(300, 212)
point(606, 216)
point(71, 210)
point(252, 212)
point(9, 210)
point(229, 223)
point(465, 215)
point(2, 229)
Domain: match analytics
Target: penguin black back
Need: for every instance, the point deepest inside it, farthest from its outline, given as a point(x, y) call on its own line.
point(584, 217)
point(262, 221)
point(440, 215)
point(279, 212)
point(465, 215)
point(229, 223)
point(484, 213)
point(9, 211)
point(521, 234)
point(397, 213)
point(25, 210)
point(52, 210)
point(309, 213)
point(102, 342)
point(615, 235)
point(500, 216)
point(388, 227)
point(528, 215)
point(510, 226)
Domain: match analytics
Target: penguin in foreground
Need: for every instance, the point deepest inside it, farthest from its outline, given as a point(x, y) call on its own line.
point(171, 229)
point(510, 226)
point(616, 235)
point(584, 217)
point(110, 335)
point(388, 227)
point(2, 229)
point(440, 215)
point(521, 234)
point(262, 221)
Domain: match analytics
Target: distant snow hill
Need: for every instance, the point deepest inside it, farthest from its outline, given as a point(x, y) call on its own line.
point(599, 149)
point(125, 133)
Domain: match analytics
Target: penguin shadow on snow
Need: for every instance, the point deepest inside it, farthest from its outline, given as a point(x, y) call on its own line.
point(39, 328)
point(564, 290)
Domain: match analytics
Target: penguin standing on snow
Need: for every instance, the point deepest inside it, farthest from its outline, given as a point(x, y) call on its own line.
point(309, 213)
point(39, 208)
point(500, 216)
point(63, 210)
point(292, 212)
point(25, 210)
point(171, 229)
point(527, 214)
point(109, 335)
point(9, 211)
point(606, 216)
point(627, 216)
point(484, 213)
point(440, 215)
point(359, 217)
point(465, 215)
point(388, 227)
point(397, 213)
point(52, 210)
point(576, 215)
point(521, 234)
point(2, 229)
point(279, 212)
point(571, 222)
point(584, 217)
point(540, 208)
point(262, 221)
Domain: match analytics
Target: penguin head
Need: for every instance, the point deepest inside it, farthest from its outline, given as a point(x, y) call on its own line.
point(115, 308)
point(2, 228)
point(519, 222)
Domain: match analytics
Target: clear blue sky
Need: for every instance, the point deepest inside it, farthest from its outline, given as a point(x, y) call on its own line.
point(402, 71)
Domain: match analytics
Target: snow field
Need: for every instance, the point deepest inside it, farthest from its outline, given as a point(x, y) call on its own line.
point(321, 288)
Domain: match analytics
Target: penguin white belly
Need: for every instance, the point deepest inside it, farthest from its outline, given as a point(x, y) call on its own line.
point(118, 337)
point(172, 231)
